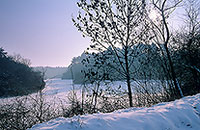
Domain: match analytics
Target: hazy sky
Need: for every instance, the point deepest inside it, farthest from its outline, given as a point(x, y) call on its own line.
point(41, 30)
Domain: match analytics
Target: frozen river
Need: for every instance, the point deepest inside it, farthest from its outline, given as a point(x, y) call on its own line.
point(59, 86)
point(58, 90)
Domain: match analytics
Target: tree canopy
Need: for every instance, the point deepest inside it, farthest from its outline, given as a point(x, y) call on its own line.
point(17, 78)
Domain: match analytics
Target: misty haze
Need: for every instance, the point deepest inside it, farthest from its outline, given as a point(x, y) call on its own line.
point(100, 65)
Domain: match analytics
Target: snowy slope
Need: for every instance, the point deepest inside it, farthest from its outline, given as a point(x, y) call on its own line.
point(183, 114)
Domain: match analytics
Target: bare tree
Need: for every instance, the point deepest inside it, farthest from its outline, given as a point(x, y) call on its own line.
point(163, 34)
point(18, 58)
point(21, 113)
point(116, 26)
point(187, 44)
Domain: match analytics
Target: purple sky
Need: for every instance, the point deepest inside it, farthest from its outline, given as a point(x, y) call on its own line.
point(41, 30)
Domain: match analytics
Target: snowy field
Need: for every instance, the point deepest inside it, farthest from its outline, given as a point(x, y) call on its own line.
point(54, 93)
point(183, 114)
point(57, 90)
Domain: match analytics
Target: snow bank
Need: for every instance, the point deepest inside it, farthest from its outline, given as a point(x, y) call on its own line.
point(183, 114)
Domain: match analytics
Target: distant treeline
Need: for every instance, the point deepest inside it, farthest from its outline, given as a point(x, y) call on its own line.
point(104, 64)
point(51, 72)
point(148, 64)
point(16, 77)
point(74, 70)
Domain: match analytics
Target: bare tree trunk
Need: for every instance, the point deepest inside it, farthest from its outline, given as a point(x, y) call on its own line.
point(128, 79)
point(129, 91)
point(166, 38)
point(95, 98)
point(126, 58)
point(177, 87)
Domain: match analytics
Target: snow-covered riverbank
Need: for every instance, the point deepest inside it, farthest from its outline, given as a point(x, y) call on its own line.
point(183, 114)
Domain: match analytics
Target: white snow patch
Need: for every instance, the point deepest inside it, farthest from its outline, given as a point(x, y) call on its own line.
point(183, 114)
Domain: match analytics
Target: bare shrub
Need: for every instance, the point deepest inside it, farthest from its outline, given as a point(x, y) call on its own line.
point(110, 104)
point(151, 92)
point(21, 113)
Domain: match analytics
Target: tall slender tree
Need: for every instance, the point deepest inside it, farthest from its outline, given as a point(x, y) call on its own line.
point(163, 35)
point(114, 24)
point(187, 42)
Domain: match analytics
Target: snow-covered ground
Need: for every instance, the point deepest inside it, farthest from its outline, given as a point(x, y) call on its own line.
point(56, 92)
point(55, 89)
point(183, 114)
point(58, 89)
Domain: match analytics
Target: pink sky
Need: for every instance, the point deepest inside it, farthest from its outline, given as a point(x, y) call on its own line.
point(41, 30)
